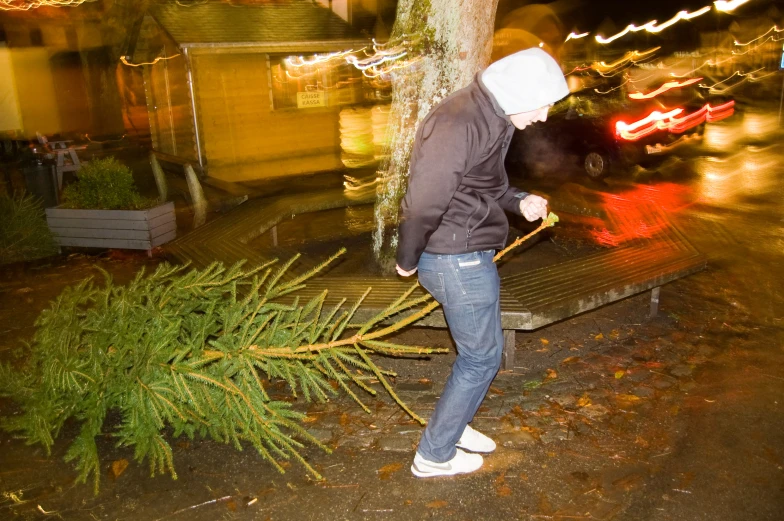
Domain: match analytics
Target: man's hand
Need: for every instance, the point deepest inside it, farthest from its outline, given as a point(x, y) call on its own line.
point(403, 272)
point(534, 207)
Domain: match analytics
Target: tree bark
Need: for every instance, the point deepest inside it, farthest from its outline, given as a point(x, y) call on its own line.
point(451, 41)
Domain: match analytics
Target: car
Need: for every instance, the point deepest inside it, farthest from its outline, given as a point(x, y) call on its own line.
point(602, 134)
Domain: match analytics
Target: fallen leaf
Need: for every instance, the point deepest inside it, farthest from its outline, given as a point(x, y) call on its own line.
point(309, 419)
point(551, 374)
point(600, 336)
point(642, 442)
point(619, 374)
point(542, 350)
point(544, 341)
point(496, 390)
point(344, 419)
point(504, 491)
point(118, 467)
point(533, 431)
point(424, 381)
point(387, 470)
point(439, 503)
point(630, 398)
point(570, 360)
point(629, 482)
point(614, 334)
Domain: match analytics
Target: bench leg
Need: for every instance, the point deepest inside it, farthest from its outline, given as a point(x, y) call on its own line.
point(507, 361)
point(655, 301)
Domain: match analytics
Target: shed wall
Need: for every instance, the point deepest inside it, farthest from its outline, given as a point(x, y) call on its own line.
point(242, 137)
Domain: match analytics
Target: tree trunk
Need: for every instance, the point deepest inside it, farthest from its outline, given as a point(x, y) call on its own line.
point(456, 40)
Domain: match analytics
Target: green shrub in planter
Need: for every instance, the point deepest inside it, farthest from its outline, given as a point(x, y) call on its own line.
point(105, 184)
point(24, 234)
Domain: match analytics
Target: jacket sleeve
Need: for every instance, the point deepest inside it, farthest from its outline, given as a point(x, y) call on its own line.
point(439, 161)
point(510, 200)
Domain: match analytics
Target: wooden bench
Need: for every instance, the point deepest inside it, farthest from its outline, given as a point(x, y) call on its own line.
point(533, 299)
point(529, 300)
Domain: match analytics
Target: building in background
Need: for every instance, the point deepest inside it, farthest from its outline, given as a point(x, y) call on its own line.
point(246, 91)
point(57, 73)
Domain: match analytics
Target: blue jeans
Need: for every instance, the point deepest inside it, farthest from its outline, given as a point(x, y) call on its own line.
point(468, 288)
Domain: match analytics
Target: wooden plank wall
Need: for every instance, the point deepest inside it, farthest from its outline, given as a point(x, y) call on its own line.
point(242, 137)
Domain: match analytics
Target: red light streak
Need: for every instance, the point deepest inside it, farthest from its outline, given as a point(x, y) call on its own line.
point(641, 213)
point(650, 124)
point(664, 88)
point(670, 121)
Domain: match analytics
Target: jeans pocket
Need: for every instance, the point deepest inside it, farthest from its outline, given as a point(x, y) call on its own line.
point(433, 282)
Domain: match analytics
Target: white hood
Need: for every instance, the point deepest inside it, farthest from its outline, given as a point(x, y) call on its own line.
point(525, 81)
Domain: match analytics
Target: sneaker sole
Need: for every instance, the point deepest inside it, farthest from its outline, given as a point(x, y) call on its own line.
point(469, 449)
point(418, 473)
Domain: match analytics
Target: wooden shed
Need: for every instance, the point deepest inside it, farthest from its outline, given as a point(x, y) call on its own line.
point(248, 91)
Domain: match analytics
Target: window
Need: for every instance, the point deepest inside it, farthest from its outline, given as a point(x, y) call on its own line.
point(314, 81)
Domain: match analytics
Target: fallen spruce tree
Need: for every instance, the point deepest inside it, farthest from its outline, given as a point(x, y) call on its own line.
point(187, 350)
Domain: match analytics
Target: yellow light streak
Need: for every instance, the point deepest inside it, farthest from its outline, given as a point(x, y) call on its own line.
point(124, 60)
point(575, 36)
point(664, 88)
point(653, 26)
point(747, 76)
point(597, 91)
point(707, 63)
point(682, 15)
point(630, 57)
point(299, 61)
point(771, 38)
point(774, 28)
point(20, 5)
point(726, 7)
point(373, 72)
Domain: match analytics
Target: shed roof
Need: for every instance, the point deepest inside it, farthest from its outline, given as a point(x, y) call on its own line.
point(224, 23)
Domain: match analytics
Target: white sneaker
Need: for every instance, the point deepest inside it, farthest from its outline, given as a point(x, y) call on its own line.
point(475, 441)
point(462, 463)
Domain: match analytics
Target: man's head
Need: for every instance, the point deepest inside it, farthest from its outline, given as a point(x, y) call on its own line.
point(526, 84)
point(523, 119)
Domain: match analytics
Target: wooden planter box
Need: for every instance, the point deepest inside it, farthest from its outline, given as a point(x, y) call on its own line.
point(129, 229)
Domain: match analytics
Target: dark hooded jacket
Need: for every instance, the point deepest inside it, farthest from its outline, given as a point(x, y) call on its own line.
point(458, 188)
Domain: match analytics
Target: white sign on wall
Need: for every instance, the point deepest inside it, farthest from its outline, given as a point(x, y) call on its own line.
point(306, 100)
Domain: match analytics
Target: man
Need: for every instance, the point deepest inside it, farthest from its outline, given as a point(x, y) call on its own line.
point(452, 220)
